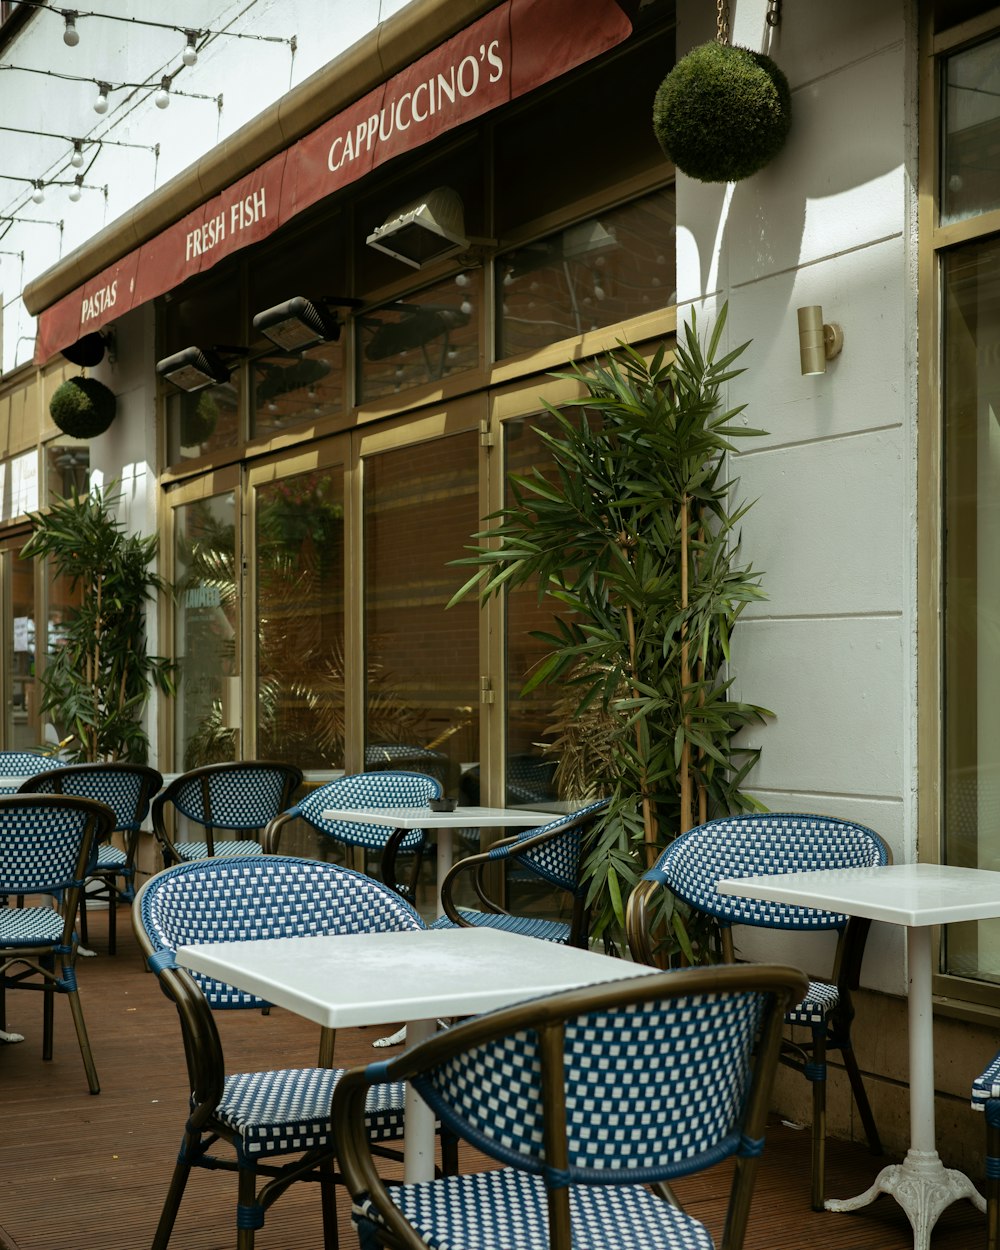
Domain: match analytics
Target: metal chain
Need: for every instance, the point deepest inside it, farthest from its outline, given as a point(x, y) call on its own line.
point(722, 21)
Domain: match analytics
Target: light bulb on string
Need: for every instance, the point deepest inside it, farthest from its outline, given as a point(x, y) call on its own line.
point(38, 195)
point(162, 97)
point(101, 103)
point(76, 160)
point(190, 54)
point(71, 36)
point(77, 188)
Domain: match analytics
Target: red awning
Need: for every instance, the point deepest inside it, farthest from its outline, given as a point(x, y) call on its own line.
point(510, 51)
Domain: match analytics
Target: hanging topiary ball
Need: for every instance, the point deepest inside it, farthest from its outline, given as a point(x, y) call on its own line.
point(83, 407)
point(722, 112)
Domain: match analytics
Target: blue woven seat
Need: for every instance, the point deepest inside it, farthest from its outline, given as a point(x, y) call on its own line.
point(551, 853)
point(238, 797)
point(382, 788)
point(264, 1115)
point(127, 789)
point(586, 1098)
point(751, 845)
point(47, 847)
point(986, 1098)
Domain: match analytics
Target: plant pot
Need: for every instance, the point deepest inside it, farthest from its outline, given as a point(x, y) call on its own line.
point(83, 407)
point(722, 113)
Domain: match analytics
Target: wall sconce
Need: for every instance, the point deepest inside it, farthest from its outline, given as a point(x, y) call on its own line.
point(423, 231)
point(194, 368)
point(818, 343)
point(298, 323)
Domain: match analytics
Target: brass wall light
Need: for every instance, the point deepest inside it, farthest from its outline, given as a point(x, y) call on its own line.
point(818, 342)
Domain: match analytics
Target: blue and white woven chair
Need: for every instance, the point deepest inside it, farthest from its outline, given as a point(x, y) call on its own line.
point(587, 1098)
point(986, 1098)
point(551, 853)
point(390, 788)
point(47, 847)
point(25, 764)
point(261, 1115)
point(748, 845)
point(127, 789)
point(238, 797)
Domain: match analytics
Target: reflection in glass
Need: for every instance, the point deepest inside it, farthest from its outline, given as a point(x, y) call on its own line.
point(595, 273)
point(972, 587)
point(420, 339)
point(206, 623)
point(289, 390)
point(199, 422)
point(23, 727)
point(67, 467)
point(421, 506)
point(970, 166)
point(300, 619)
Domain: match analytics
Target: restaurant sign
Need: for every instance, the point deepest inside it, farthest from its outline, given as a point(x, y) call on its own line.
point(513, 49)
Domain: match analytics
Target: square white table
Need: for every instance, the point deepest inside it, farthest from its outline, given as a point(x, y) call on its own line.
point(444, 823)
point(417, 976)
point(917, 896)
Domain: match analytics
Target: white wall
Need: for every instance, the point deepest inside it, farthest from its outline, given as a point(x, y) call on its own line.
point(831, 221)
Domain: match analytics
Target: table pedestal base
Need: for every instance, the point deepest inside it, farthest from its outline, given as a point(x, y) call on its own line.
point(922, 1186)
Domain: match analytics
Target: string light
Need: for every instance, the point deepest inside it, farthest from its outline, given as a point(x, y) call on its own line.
point(77, 188)
point(162, 97)
point(101, 103)
point(71, 36)
point(190, 54)
point(104, 89)
point(38, 195)
point(76, 160)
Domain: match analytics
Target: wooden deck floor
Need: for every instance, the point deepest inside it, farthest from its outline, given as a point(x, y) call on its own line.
point(79, 1172)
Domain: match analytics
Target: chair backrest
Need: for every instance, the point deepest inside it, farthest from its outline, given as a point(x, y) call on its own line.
point(406, 757)
point(391, 788)
point(245, 794)
point(247, 898)
point(48, 842)
point(627, 1082)
point(126, 788)
point(25, 764)
point(553, 851)
point(750, 845)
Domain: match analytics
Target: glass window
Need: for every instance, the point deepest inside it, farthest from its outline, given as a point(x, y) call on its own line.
point(421, 506)
point(971, 324)
point(970, 169)
point(606, 269)
point(206, 629)
point(430, 334)
point(23, 728)
point(299, 554)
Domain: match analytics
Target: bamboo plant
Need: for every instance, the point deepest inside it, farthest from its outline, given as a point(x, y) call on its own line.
point(632, 536)
point(98, 677)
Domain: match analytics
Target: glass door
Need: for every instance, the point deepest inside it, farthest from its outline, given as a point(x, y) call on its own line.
point(207, 617)
point(22, 724)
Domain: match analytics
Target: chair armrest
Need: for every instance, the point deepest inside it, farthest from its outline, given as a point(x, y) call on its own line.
point(475, 864)
point(271, 835)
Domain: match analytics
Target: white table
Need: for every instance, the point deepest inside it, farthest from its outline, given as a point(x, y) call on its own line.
point(417, 976)
point(917, 896)
point(444, 823)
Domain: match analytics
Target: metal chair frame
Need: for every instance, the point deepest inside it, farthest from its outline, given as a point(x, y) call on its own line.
point(204, 796)
point(128, 790)
point(986, 1098)
point(592, 1097)
point(789, 842)
point(551, 852)
point(54, 858)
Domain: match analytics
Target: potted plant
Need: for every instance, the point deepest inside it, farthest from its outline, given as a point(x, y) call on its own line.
point(633, 537)
point(98, 676)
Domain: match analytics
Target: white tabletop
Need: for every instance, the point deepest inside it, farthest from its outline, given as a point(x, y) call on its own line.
point(905, 894)
point(382, 978)
point(424, 818)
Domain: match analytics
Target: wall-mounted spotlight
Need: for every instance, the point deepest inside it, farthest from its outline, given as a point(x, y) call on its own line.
point(425, 230)
point(71, 36)
point(818, 343)
point(194, 368)
point(299, 323)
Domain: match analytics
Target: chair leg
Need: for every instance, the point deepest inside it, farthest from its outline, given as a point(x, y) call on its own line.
point(328, 1201)
point(815, 1071)
point(449, 1153)
point(84, 1040)
point(861, 1098)
point(48, 1011)
point(249, 1215)
point(993, 1174)
point(84, 935)
point(172, 1202)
